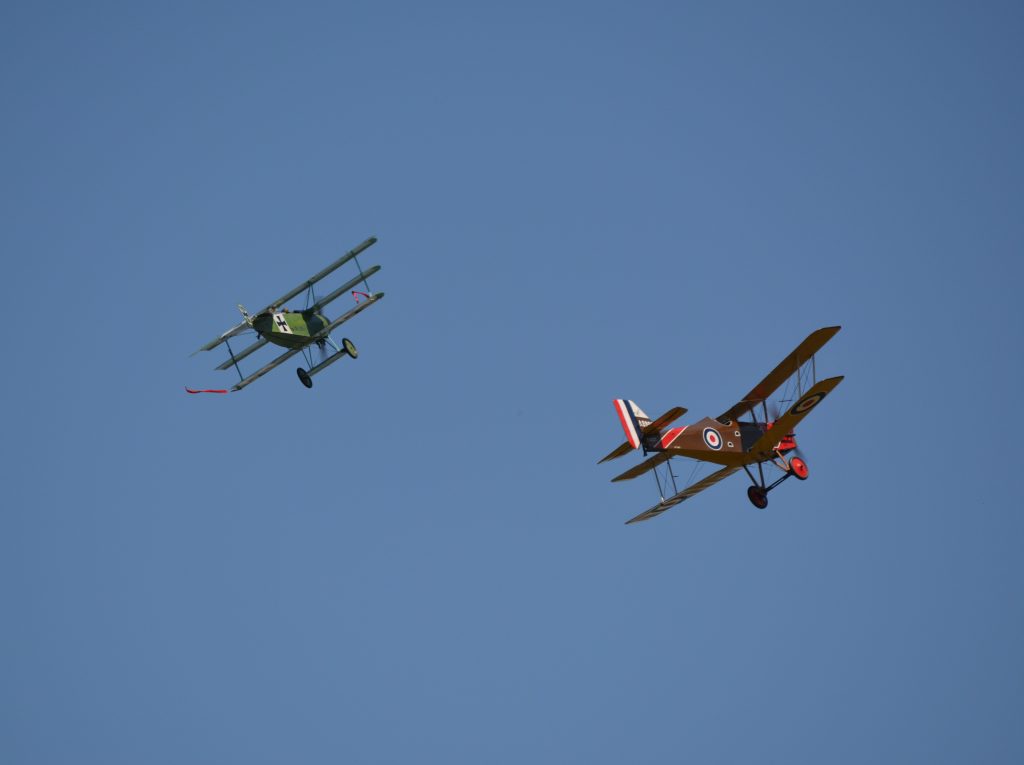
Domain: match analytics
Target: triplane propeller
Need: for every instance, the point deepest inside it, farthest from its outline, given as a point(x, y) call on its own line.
point(728, 440)
point(299, 330)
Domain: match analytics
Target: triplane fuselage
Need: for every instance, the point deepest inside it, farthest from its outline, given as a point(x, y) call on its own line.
point(736, 439)
point(289, 329)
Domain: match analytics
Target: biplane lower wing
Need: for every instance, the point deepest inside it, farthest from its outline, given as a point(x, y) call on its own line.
point(644, 467)
point(685, 494)
point(764, 448)
point(318, 336)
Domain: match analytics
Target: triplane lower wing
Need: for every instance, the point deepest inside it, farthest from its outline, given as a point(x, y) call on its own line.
point(728, 441)
point(299, 330)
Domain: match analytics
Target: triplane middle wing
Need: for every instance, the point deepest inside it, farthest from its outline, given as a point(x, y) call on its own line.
point(728, 441)
point(299, 330)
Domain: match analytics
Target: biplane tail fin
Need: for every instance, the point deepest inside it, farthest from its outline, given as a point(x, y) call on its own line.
point(633, 421)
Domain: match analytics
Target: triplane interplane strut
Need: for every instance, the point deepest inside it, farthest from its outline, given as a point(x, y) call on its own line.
point(729, 440)
point(299, 330)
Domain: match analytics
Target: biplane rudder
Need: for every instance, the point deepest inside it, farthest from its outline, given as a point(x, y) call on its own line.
point(633, 421)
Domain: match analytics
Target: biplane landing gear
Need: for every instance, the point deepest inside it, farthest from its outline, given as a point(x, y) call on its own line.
point(798, 469)
point(758, 497)
point(304, 376)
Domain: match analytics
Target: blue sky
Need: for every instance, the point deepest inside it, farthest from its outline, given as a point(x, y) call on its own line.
point(419, 559)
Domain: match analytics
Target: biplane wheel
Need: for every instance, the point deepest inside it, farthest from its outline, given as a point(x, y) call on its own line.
point(758, 497)
point(304, 376)
point(799, 468)
point(349, 347)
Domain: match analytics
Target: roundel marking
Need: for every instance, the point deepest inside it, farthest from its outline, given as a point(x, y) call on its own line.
point(712, 438)
point(807, 403)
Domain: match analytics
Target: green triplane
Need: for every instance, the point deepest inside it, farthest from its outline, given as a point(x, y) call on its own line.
point(299, 331)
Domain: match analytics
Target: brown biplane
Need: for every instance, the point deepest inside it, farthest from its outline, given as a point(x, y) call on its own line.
point(729, 440)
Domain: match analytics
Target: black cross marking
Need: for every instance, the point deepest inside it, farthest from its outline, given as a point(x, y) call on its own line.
point(281, 322)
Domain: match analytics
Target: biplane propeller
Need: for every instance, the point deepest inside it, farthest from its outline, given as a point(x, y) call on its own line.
point(299, 330)
point(729, 440)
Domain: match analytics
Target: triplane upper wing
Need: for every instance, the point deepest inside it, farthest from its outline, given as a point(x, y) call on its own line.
point(299, 330)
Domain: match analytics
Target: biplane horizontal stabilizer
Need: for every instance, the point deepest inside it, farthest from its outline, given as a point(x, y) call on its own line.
point(619, 451)
point(644, 467)
point(685, 494)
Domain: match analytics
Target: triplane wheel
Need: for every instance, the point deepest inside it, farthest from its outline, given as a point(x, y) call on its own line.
point(304, 376)
point(349, 347)
point(799, 468)
point(758, 497)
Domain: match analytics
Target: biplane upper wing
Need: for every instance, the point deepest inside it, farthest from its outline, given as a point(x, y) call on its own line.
point(686, 493)
point(764, 447)
point(789, 366)
point(644, 466)
point(314, 279)
point(671, 415)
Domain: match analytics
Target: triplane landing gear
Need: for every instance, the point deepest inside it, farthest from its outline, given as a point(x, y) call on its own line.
point(758, 493)
point(348, 348)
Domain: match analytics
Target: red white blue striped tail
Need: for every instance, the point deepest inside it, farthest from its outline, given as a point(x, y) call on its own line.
point(632, 419)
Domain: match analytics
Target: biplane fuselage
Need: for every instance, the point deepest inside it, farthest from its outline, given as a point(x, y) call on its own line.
point(721, 443)
point(289, 329)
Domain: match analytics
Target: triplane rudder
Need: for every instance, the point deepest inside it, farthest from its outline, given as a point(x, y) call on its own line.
point(750, 436)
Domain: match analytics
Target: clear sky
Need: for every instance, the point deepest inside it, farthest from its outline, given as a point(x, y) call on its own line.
point(419, 560)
